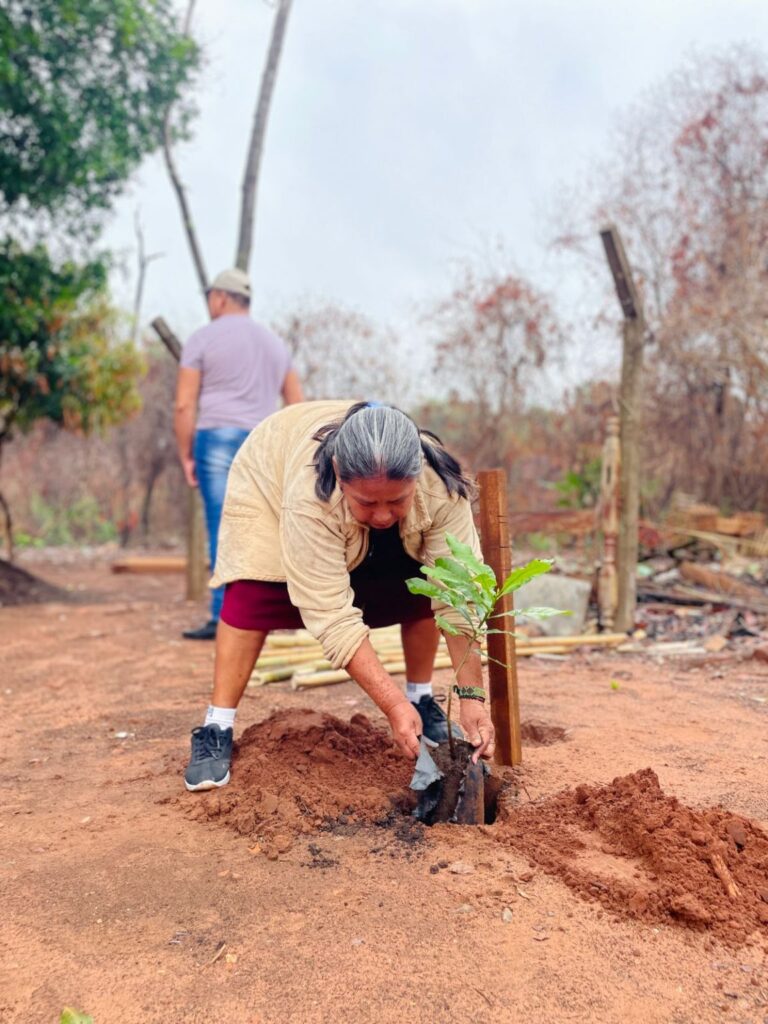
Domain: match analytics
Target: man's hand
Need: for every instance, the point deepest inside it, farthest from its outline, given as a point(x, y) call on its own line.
point(405, 722)
point(190, 475)
point(478, 728)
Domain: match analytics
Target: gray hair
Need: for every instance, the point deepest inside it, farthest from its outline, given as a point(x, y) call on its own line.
point(372, 440)
point(381, 440)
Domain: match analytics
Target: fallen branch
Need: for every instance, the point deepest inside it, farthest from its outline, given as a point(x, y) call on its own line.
point(721, 582)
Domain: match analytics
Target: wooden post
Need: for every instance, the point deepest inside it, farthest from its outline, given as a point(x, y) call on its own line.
point(197, 558)
point(630, 400)
point(608, 524)
point(197, 564)
point(168, 338)
point(502, 678)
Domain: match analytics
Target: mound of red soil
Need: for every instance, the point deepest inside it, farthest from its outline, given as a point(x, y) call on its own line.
point(299, 769)
point(645, 855)
point(17, 587)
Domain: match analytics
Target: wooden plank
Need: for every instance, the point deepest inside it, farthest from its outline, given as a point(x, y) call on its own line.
point(502, 678)
point(576, 521)
point(150, 564)
point(722, 583)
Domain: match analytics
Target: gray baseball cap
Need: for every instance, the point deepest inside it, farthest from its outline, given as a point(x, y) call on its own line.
point(234, 281)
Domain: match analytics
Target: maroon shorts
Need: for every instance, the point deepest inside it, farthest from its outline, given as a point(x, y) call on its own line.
point(255, 604)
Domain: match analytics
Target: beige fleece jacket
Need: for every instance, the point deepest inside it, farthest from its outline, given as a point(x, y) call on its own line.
point(275, 528)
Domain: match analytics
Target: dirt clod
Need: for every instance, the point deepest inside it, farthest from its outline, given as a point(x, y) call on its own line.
point(661, 853)
point(461, 867)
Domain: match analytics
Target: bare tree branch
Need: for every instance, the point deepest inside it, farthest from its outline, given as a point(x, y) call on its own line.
point(188, 17)
point(178, 186)
point(256, 146)
point(144, 259)
point(186, 213)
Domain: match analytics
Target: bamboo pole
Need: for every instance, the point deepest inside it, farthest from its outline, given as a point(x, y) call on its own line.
point(502, 670)
point(577, 640)
point(301, 655)
point(308, 672)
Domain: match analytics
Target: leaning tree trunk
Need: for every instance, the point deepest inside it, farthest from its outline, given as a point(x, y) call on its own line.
point(258, 132)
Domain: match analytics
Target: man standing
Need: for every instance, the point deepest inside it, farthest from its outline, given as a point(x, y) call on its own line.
point(231, 375)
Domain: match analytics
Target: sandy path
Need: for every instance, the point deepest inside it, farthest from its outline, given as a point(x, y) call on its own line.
point(116, 902)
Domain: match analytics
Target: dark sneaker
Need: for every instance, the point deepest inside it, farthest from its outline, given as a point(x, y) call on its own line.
point(435, 722)
point(208, 767)
point(206, 632)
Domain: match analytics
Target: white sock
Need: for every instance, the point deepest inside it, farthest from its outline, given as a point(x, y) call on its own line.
point(223, 717)
point(415, 691)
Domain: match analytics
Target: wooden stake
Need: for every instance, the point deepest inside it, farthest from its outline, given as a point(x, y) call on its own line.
point(502, 678)
point(609, 524)
point(197, 565)
point(197, 562)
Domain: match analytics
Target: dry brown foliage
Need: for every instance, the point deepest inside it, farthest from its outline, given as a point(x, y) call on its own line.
point(688, 189)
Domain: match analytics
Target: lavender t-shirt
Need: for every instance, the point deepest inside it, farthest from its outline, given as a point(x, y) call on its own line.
point(243, 366)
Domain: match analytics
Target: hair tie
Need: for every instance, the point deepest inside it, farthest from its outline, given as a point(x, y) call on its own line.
point(374, 405)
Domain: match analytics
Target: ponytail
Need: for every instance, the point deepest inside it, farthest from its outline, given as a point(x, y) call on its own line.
point(447, 468)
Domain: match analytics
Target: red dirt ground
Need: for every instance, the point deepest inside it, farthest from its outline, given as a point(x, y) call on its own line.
point(304, 892)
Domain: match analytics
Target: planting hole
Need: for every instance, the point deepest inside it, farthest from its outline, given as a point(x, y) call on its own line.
point(465, 795)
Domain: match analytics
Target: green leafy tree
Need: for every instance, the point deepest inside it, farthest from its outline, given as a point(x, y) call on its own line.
point(84, 91)
point(63, 356)
point(580, 488)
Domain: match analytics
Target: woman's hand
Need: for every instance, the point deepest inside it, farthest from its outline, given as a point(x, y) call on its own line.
point(478, 728)
point(405, 722)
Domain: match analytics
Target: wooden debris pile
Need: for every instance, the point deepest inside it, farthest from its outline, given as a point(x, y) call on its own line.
point(298, 657)
point(709, 589)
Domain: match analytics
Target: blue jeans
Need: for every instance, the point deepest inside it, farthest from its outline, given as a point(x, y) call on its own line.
point(213, 451)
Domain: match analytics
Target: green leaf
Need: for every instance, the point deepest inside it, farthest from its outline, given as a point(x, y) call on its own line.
point(457, 589)
point(446, 574)
point(446, 626)
point(525, 573)
point(70, 1016)
point(466, 556)
point(418, 586)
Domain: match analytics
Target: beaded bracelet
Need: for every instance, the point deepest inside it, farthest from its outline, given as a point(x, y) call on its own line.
point(470, 693)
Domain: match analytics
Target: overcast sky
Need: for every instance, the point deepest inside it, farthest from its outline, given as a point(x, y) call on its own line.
point(404, 135)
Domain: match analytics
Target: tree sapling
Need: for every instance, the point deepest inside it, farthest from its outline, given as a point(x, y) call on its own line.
point(469, 586)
